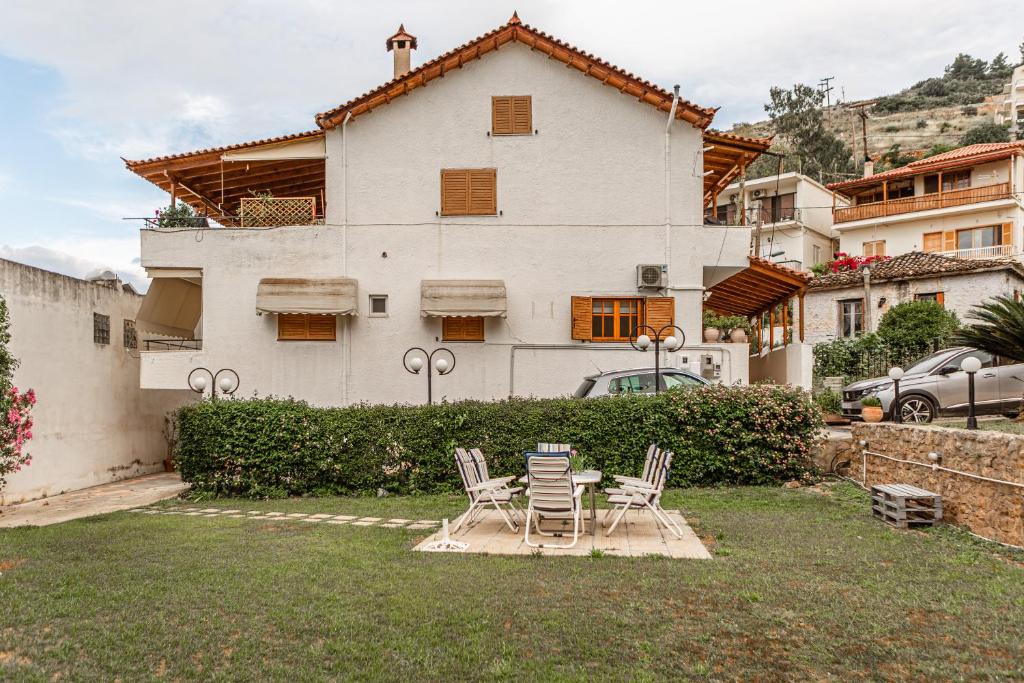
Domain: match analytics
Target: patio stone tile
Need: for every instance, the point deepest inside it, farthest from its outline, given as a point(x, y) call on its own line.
point(392, 525)
point(193, 514)
point(320, 516)
point(211, 514)
point(310, 519)
point(236, 516)
point(254, 512)
point(192, 509)
point(211, 510)
point(347, 518)
point(411, 526)
point(399, 521)
point(229, 512)
point(432, 521)
point(297, 515)
point(362, 522)
point(275, 514)
point(336, 521)
point(370, 519)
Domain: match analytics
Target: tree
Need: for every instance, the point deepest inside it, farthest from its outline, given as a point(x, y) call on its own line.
point(1000, 67)
point(1021, 48)
point(965, 68)
point(910, 329)
point(796, 116)
point(894, 157)
point(998, 328)
point(15, 407)
point(985, 132)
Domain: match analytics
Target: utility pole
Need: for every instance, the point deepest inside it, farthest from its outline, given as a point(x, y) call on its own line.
point(757, 234)
point(827, 89)
point(864, 132)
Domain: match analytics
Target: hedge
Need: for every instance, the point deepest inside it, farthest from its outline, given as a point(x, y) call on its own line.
point(273, 448)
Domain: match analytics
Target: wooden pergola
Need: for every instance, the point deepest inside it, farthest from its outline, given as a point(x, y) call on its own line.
point(762, 287)
point(215, 181)
point(726, 158)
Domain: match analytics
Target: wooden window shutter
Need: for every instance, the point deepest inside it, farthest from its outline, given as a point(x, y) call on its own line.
point(469, 192)
point(1007, 233)
point(462, 329)
point(454, 192)
point(501, 115)
point(940, 298)
point(932, 241)
point(949, 240)
point(322, 327)
point(661, 311)
point(582, 318)
point(291, 326)
point(483, 192)
point(522, 115)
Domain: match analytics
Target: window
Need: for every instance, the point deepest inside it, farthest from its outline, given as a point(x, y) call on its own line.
point(615, 319)
point(977, 238)
point(932, 241)
point(378, 305)
point(987, 361)
point(469, 192)
point(816, 255)
point(632, 384)
point(876, 248)
point(779, 208)
point(931, 183)
point(100, 328)
point(851, 318)
point(302, 327)
point(670, 381)
point(131, 339)
point(960, 180)
point(462, 329)
point(937, 297)
point(512, 115)
point(901, 188)
point(869, 196)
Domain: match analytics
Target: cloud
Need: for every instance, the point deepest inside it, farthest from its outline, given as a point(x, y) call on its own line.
point(6, 181)
point(83, 258)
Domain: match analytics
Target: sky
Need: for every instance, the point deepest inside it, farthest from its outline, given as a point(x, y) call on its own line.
point(83, 84)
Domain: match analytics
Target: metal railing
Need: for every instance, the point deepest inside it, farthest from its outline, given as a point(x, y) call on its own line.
point(997, 251)
point(768, 217)
point(173, 344)
point(934, 200)
point(202, 222)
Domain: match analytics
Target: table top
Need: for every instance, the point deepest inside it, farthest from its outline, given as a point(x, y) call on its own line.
point(584, 477)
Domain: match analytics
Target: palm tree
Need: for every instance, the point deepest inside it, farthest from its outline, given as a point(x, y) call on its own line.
point(999, 328)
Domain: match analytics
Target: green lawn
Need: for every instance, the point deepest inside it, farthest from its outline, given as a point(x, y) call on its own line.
point(803, 586)
point(999, 424)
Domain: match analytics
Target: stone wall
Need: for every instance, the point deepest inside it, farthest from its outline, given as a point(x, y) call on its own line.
point(989, 509)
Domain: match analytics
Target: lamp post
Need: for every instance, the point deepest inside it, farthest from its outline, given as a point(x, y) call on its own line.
point(971, 365)
point(644, 341)
point(198, 382)
point(896, 374)
point(417, 362)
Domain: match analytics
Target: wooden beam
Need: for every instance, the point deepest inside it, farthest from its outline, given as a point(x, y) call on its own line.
point(801, 299)
point(771, 329)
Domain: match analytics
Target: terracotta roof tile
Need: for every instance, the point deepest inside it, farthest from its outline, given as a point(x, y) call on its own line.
point(912, 265)
point(515, 30)
point(226, 148)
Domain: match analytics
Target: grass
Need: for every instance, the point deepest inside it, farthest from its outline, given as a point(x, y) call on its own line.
point(999, 424)
point(804, 585)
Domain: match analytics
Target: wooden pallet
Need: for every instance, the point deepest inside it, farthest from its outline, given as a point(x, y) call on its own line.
point(903, 506)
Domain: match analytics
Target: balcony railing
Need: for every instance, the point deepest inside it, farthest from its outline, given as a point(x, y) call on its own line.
point(173, 344)
point(935, 200)
point(768, 217)
point(998, 251)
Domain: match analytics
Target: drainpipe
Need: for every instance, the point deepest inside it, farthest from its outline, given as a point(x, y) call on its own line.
point(668, 176)
point(867, 298)
point(347, 348)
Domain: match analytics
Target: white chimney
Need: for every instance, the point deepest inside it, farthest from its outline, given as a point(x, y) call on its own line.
point(869, 168)
point(402, 44)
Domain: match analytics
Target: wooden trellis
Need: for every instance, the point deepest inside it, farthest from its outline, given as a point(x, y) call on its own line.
point(262, 212)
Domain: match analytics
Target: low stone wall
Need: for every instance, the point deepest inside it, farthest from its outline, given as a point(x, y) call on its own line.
point(989, 509)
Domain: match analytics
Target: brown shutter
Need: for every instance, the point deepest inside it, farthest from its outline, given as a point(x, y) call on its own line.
point(932, 241)
point(483, 192)
point(582, 318)
point(661, 311)
point(501, 115)
point(454, 192)
point(322, 327)
point(522, 115)
point(940, 297)
point(291, 327)
point(462, 329)
point(949, 240)
point(1007, 233)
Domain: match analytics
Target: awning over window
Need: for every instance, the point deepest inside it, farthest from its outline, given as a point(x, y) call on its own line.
point(325, 296)
point(463, 298)
point(172, 307)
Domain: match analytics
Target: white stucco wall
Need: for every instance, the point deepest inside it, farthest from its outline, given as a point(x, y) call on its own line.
point(581, 204)
point(960, 293)
point(792, 364)
point(92, 422)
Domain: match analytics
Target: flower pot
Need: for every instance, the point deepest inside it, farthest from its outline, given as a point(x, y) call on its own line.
point(738, 336)
point(871, 413)
point(711, 335)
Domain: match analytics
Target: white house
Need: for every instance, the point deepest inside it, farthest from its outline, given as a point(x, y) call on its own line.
point(790, 213)
point(515, 200)
point(1009, 104)
point(850, 303)
point(78, 349)
point(966, 203)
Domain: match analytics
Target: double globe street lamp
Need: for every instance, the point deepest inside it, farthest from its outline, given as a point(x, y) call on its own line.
point(657, 338)
point(442, 365)
point(200, 379)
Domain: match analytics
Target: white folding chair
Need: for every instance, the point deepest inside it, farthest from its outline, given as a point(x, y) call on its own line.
point(485, 492)
point(554, 447)
point(650, 466)
point(553, 496)
point(638, 496)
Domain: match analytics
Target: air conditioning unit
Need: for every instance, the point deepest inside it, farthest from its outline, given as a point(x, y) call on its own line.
point(652, 276)
point(733, 197)
point(758, 193)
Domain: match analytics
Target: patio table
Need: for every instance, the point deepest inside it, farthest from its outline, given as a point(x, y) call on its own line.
point(590, 479)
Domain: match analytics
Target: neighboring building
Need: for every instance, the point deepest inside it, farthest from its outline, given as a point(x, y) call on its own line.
point(519, 212)
point(965, 203)
point(793, 213)
point(78, 348)
point(852, 302)
point(1009, 105)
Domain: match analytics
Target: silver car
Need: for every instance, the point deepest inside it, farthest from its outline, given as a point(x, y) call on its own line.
point(936, 386)
point(637, 381)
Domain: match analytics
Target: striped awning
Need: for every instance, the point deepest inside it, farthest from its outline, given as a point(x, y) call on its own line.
point(323, 296)
point(463, 298)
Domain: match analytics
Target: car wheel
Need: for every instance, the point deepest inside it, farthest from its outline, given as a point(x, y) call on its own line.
point(917, 409)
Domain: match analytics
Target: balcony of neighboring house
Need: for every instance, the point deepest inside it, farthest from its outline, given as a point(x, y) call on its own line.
point(170, 322)
point(877, 202)
point(729, 214)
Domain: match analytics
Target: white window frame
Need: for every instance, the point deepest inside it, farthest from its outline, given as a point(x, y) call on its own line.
point(387, 306)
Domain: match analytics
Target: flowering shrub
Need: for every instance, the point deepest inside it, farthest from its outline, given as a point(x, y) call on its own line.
point(15, 408)
point(271, 447)
point(843, 262)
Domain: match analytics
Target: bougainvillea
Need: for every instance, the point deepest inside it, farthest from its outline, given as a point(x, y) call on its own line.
point(15, 408)
point(843, 262)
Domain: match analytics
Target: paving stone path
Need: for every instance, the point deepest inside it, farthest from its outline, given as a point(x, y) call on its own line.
point(320, 518)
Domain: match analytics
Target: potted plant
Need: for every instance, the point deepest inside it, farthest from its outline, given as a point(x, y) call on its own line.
point(871, 409)
point(712, 331)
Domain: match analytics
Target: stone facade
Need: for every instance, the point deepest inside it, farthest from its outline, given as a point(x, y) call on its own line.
point(989, 509)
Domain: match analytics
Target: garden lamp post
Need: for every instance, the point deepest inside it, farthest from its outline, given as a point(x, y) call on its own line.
point(443, 366)
point(971, 365)
point(201, 378)
point(896, 374)
point(644, 341)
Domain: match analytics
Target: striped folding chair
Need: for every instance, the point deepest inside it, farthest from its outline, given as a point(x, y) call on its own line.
point(639, 496)
point(484, 492)
point(553, 496)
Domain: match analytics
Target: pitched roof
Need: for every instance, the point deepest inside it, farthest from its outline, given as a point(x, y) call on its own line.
point(539, 41)
point(227, 148)
point(962, 156)
point(728, 155)
point(914, 265)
